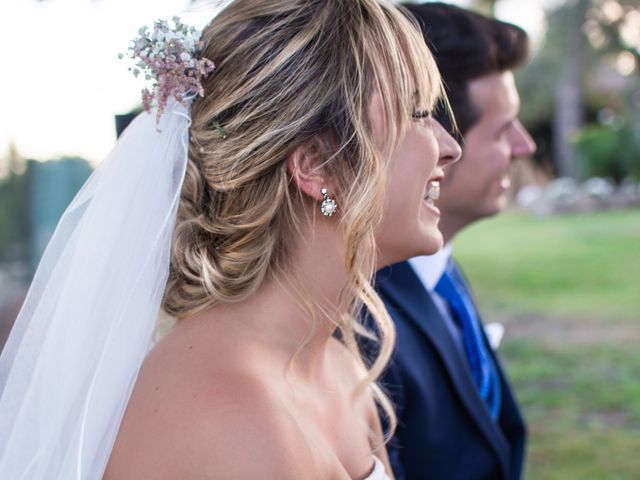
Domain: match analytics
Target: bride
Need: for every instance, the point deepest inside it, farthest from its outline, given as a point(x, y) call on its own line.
point(255, 214)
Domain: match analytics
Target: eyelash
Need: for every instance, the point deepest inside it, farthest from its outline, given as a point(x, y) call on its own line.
point(420, 114)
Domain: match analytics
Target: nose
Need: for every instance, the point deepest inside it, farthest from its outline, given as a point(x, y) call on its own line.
point(450, 150)
point(522, 145)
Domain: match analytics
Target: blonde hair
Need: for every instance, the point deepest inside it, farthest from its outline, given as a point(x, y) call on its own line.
point(288, 71)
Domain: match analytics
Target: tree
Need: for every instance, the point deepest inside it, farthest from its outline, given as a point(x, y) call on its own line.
point(488, 7)
point(571, 80)
point(613, 26)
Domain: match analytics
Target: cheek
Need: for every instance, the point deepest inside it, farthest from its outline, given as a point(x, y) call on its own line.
point(416, 159)
point(500, 155)
point(489, 163)
point(396, 201)
point(402, 196)
point(406, 177)
point(409, 170)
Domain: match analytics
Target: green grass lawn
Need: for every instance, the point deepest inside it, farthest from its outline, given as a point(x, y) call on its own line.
point(568, 290)
point(567, 264)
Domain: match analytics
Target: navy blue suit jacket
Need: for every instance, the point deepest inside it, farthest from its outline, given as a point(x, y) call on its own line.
point(444, 429)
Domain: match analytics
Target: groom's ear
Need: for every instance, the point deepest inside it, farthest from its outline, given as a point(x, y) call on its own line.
point(307, 170)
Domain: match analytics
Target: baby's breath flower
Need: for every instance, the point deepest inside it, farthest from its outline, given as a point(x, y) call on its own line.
point(168, 56)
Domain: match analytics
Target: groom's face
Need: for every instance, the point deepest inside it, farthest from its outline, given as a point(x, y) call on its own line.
point(477, 185)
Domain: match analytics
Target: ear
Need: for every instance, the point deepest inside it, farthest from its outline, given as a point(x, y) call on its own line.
point(305, 170)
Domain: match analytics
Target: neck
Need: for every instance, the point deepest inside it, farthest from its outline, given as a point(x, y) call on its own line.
point(277, 321)
point(450, 224)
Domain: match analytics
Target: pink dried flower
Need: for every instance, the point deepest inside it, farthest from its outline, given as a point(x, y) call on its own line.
point(168, 56)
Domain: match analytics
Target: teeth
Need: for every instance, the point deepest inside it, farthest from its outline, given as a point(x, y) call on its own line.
point(433, 191)
point(505, 182)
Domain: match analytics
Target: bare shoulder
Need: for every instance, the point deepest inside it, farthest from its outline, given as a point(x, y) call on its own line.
point(181, 423)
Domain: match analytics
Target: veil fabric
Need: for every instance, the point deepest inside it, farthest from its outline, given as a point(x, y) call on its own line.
point(70, 363)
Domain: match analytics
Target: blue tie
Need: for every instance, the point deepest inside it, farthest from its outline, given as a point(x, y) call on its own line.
point(452, 288)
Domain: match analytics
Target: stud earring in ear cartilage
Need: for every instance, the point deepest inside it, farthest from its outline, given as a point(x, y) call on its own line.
point(329, 206)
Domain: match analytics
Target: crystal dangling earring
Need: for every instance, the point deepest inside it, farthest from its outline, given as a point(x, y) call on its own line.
point(329, 206)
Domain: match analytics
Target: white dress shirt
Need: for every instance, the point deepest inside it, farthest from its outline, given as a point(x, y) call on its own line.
point(429, 269)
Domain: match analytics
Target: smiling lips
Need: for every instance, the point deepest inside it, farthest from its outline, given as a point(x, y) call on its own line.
point(433, 191)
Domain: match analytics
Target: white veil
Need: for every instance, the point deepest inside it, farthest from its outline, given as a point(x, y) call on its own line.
point(69, 365)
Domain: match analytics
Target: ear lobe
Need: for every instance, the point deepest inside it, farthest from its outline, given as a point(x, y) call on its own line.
point(304, 168)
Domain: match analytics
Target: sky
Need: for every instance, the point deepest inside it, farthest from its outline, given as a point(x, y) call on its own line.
point(62, 82)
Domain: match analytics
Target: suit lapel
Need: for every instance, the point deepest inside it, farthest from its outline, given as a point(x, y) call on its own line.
point(401, 286)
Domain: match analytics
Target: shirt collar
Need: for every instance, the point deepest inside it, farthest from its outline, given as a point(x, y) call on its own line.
point(429, 268)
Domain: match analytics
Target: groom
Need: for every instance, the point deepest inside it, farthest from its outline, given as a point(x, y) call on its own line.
point(457, 416)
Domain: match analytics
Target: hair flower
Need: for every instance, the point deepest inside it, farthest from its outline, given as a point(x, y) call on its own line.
point(168, 56)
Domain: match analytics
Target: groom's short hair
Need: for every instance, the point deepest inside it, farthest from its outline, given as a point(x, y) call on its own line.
point(467, 46)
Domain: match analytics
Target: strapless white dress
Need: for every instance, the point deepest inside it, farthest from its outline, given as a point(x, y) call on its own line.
point(378, 473)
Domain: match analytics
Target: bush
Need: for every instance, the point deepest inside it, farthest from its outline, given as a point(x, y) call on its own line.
point(608, 151)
